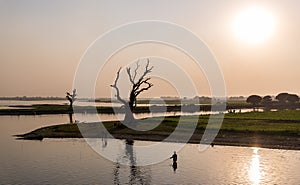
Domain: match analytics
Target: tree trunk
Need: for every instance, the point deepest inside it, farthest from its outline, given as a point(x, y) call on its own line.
point(71, 117)
point(129, 118)
point(71, 112)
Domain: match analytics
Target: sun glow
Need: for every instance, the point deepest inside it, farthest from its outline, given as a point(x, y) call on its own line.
point(254, 25)
point(254, 171)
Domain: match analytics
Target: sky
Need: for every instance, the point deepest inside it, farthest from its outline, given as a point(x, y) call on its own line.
point(42, 43)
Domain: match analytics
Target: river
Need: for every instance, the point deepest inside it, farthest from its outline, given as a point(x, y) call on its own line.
point(72, 161)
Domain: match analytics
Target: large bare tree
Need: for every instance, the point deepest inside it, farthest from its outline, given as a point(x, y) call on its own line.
point(139, 83)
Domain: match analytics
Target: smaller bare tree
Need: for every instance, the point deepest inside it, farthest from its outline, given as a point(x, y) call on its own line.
point(71, 98)
point(138, 85)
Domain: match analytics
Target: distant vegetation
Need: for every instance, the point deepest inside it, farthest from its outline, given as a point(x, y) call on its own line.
point(281, 102)
point(167, 100)
point(32, 98)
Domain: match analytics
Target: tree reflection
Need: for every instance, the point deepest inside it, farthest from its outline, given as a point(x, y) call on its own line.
point(116, 173)
point(138, 175)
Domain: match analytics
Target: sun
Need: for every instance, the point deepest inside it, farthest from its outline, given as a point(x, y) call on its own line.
point(254, 25)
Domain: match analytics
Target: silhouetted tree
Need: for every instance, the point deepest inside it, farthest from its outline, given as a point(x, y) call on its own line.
point(138, 85)
point(254, 100)
point(282, 97)
point(71, 98)
point(292, 98)
point(287, 101)
point(267, 102)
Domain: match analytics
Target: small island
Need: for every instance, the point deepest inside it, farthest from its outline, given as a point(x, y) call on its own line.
point(277, 130)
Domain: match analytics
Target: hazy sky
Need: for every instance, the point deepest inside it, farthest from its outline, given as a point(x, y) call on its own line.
point(42, 43)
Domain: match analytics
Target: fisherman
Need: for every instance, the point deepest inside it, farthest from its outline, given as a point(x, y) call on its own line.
point(174, 157)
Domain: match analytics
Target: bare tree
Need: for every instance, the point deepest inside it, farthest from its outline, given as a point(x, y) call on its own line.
point(71, 98)
point(138, 85)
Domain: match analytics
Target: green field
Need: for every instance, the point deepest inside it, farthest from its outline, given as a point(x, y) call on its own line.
point(278, 121)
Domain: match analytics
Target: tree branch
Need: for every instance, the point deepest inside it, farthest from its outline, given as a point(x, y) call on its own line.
point(71, 97)
point(138, 86)
point(133, 76)
point(149, 85)
point(136, 69)
point(129, 75)
point(147, 70)
point(117, 89)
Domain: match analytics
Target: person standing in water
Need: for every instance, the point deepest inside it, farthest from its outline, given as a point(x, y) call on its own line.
point(174, 157)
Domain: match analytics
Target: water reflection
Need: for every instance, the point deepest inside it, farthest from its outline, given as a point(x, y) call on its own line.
point(138, 175)
point(174, 166)
point(254, 170)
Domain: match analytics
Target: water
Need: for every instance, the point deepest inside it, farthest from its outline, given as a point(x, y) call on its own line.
point(72, 161)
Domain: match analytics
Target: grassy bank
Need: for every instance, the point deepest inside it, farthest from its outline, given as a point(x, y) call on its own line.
point(279, 129)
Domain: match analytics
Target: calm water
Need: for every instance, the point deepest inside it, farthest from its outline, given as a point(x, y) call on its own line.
point(72, 161)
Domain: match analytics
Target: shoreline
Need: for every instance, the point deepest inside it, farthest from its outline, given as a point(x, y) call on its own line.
point(241, 139)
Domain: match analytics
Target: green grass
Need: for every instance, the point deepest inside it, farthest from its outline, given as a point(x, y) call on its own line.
point(269, 122)
point(280, 121)
point(271, 115)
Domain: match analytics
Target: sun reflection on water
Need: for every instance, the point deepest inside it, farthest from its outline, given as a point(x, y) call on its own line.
point(254, 170)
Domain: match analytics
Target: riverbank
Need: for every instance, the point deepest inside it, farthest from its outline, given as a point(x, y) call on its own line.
point(280, 130)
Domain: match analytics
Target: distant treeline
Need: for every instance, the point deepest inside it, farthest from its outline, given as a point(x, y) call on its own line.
point(32, 98)
point(281, 101)
point(41, 98)
point(142, 100)
point(167, 99)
